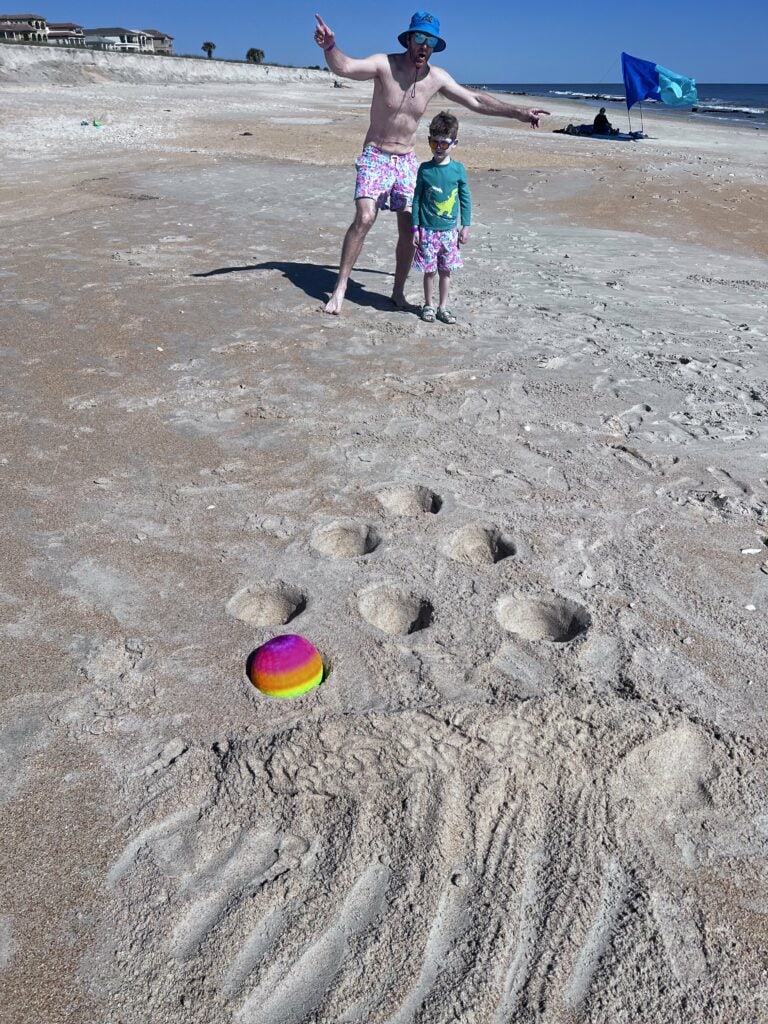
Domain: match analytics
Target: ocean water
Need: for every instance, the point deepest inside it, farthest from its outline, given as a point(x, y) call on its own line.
point(728, 103)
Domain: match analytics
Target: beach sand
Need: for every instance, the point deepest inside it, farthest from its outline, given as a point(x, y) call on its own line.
point(532, 549)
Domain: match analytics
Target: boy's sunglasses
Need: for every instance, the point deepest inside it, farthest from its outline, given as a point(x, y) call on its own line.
point(421, 37)
point(441, 143)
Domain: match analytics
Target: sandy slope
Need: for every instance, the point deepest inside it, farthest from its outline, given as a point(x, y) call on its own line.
point(530, 548)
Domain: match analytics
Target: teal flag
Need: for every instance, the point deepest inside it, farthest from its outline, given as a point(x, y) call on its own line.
point(644, 80)
point(676, 90)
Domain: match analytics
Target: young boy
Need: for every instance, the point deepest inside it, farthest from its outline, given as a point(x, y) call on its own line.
point(441, 195)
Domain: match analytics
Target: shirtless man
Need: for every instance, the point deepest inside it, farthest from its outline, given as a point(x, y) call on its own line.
point(404, 83)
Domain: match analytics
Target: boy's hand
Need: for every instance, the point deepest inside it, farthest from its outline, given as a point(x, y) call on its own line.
point(463, 236)
point(417, 238)
point(324, 36)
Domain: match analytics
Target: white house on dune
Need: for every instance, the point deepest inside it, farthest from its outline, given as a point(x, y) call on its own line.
point(125, 40)
point(24, 28)
point(33, 28)
point(161, 42)
point(65, 33)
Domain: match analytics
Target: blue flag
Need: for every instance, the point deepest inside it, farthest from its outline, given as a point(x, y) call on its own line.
point(644, 80)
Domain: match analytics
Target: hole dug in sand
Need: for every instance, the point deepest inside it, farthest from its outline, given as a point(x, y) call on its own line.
point(410, 501)
point(345, 539)
point(478, 545)
point(267, 604)
point(555, 619)
point(393, 610)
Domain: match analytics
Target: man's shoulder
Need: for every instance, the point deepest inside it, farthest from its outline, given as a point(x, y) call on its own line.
point(442, 79)
point(380, 60)
point(440, 74)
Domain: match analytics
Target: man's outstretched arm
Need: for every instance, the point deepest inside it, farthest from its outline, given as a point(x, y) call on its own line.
point(484, 103)
point(361, 70)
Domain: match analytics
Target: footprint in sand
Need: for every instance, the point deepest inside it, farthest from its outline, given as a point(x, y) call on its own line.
point(477, 545)
point(345, 539)
point(632, 419)
point(551, 618)
point(267, 604)
point(394, 610)
point(410, 501)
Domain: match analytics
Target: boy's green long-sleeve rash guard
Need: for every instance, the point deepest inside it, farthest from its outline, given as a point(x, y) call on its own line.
point(441, 194)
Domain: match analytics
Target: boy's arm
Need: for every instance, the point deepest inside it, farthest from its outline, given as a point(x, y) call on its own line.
point(465, 206)
point(484, 103)
point(465, 200)
point(360, 70)
point(416, 209)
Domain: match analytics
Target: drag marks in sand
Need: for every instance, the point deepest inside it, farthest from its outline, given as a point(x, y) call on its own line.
point(412, 886)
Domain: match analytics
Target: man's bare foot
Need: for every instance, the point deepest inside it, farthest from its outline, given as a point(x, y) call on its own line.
point(334, 304)
point(400, 300)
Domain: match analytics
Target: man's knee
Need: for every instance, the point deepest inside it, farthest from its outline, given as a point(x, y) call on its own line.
point(365, 216)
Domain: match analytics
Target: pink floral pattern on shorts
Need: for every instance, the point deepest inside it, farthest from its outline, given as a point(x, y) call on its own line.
point(386, 177)
point(439, 250)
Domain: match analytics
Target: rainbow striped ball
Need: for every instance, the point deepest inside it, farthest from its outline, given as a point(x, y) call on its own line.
point(285, 666)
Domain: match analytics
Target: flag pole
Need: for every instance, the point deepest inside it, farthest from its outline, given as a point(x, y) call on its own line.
point(626, 98)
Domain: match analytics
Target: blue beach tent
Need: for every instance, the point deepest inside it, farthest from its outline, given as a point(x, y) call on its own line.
point(644, 80)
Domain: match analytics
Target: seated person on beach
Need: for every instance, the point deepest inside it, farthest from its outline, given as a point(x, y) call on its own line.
point(602, 126)
point(441, 195)
point(403, 85)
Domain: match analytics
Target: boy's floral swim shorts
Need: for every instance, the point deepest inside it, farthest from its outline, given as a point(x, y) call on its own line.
point(438, 251)
point(386, 177)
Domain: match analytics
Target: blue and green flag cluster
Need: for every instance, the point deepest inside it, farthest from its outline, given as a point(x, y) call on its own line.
point(644, 80)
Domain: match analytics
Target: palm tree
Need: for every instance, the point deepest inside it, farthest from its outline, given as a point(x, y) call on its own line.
point(209, 48)
point(254, 56)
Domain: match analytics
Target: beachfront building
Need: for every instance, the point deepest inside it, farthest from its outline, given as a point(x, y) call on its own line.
point(125, 40)
point(161, 43)
point(23, 28)
point(65, 33)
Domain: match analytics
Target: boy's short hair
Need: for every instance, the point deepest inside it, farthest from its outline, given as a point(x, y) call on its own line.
point(444, 124)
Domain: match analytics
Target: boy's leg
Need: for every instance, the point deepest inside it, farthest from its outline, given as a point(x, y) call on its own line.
point(429, 282)
point(444, 287)
point(365, 216)
point(403, 257)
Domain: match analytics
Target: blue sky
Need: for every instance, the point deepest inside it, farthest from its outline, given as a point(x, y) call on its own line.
point(497, 41)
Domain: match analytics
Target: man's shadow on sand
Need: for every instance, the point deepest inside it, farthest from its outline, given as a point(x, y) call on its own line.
point(315, 281)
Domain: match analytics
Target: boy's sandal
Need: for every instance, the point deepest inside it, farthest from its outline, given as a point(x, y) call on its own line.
point(445, 316)
point(428, 314)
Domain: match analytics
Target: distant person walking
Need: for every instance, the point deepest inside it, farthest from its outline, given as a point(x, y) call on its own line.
point(404, 83)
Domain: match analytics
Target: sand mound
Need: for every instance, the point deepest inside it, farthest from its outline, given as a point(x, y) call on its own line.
point(20, 64)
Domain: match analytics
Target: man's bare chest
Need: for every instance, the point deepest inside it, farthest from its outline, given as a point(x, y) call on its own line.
point(406, 96)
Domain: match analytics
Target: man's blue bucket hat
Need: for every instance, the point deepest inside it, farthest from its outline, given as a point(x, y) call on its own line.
point(423, 21)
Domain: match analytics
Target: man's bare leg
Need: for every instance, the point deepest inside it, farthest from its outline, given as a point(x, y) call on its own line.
point(365, 216)
point(403, 257)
